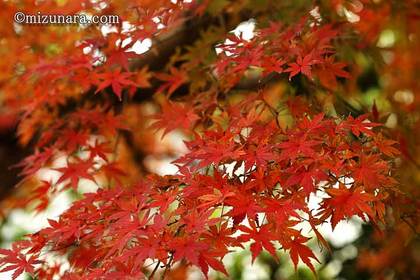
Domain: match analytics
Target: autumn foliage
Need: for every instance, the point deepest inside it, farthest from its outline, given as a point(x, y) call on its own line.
point(268, 122)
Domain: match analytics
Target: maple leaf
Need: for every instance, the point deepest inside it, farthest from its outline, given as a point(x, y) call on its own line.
point(188, 247)
point(302, 65)
point(164, 199)
point(344, 203)
point(258, 156)
point(62, 232)
point(283, 208)
point(261, 237)
point(300, 251)
point(215, 198)
point(321, 240)
point(75, 171)
point(298, 146)
point(213, 148)
point(242, 205)
point(358, 125)
point(17, 261)
point(315, 124)
point(386, 146)
point(41, 193)
point(74, 139)
point(31, 164)
point(125, 228)
point(249, 57)
point(113, 171)
point(370, 171)
point(99, 149)
point(307, 179)
point(221, 236)
point(272, 64)
point(209, 259)
point(116, 79)
point(173, 116)
point(329, 70)
point(120, 56)
point(143, 77)
point(110, 124)
point(173, 80)
point(196, 222)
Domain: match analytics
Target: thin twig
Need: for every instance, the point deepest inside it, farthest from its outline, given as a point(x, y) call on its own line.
point(413, 228)
point(168, 265)
point(154, 270)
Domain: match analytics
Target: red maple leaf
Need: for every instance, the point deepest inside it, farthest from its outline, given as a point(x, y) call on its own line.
point(112, 170)
point(116, 79)
point(329, 71)
point(386, 146)
point(271, 64)
point(297, 146)
point(358, 125)
point(74, 139)
point(99, 149)
point(221, 236)
point(188, 247)
point(36, 161)
point(261, 237)
point(164, 199)
point(173, 80)
point(300, 251)
point(242, 205)
point(344, 203)
point(209, 258)
point(18, 261)
point(41, 194)
point(75, 171)
point(302, 65)
point(120, 56)
point(174, 115)
point(370, 171)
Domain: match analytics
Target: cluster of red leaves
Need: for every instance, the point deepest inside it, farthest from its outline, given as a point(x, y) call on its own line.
point(88, 151)
point(303, 48)
point(244, 180)
point(86, 59)
point(198, 215)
